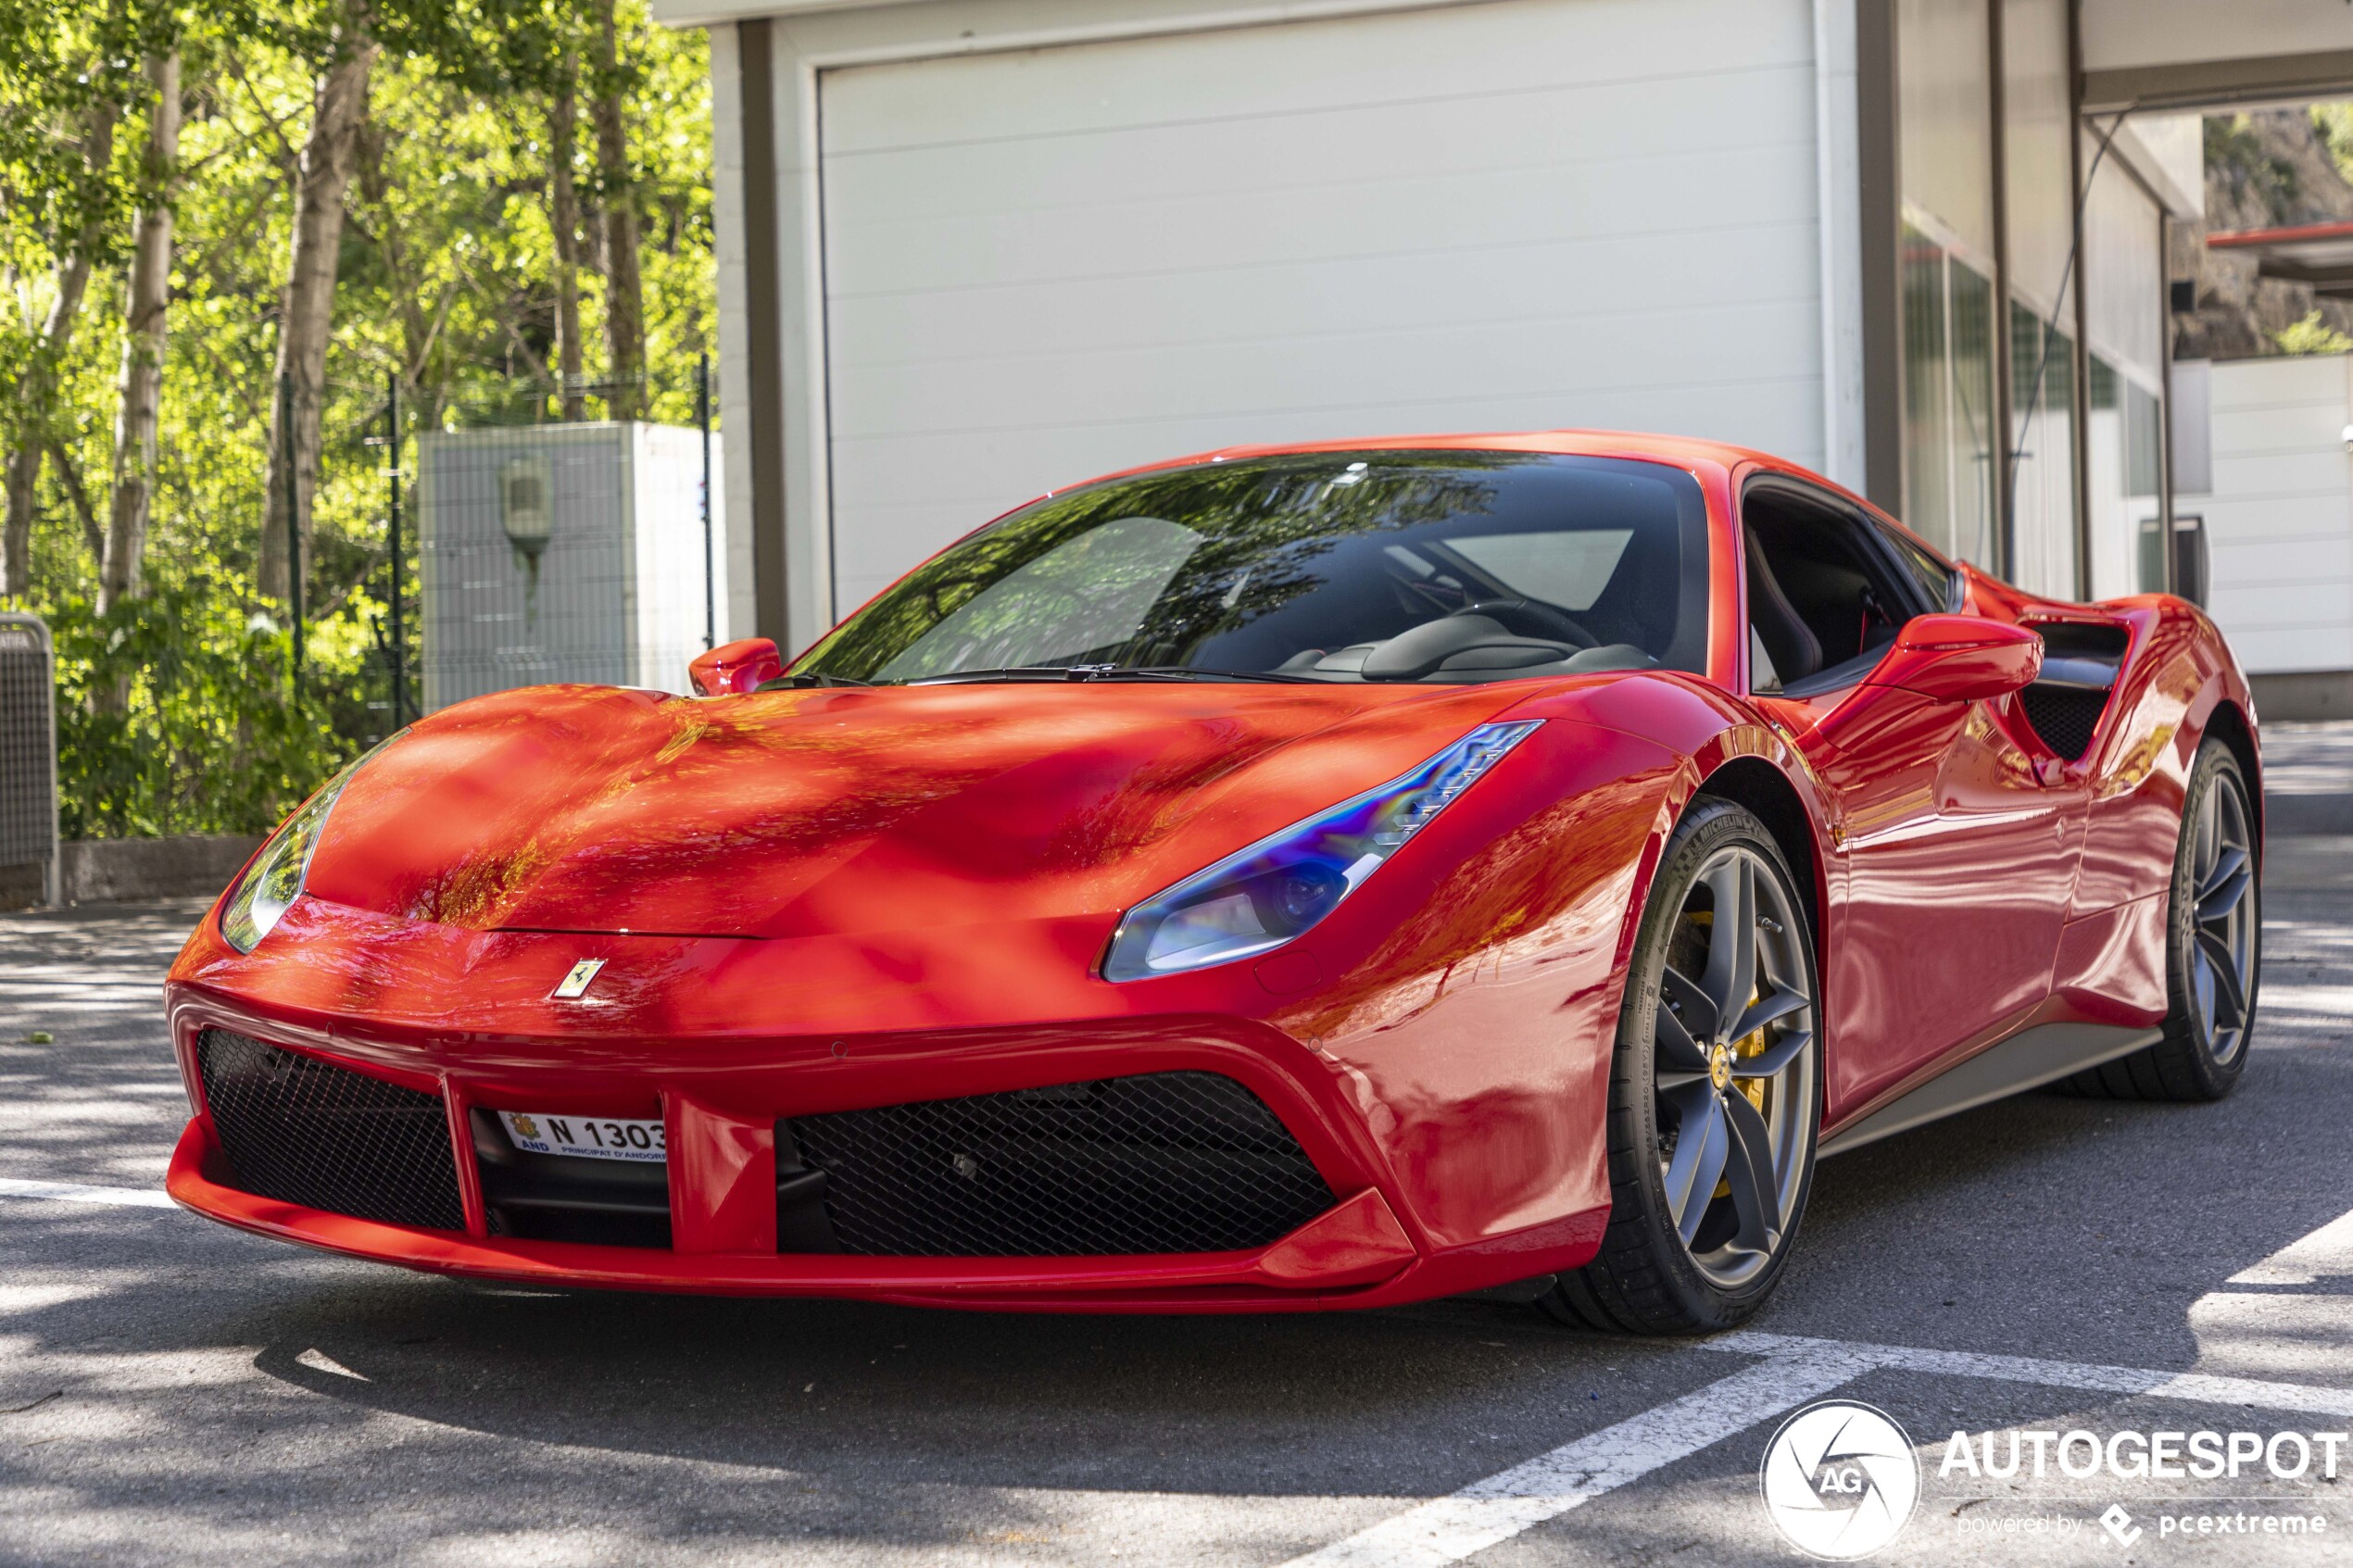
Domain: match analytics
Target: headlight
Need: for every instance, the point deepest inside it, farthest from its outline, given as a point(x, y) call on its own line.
point(274, 880)
point(1269, 893)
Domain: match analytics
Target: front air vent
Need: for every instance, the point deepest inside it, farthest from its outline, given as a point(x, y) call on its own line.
point(311, 1133)
point(1155, 1164)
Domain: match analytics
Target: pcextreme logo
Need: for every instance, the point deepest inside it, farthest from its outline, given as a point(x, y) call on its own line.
point(1840, 1480)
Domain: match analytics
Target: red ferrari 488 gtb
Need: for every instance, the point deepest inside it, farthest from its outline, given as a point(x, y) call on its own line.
point(1313, 877)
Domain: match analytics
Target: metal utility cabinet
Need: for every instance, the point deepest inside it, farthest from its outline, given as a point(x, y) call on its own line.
point(566, 552)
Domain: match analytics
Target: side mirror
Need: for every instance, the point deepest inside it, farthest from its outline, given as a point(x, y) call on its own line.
point(1959, 659)
point(731, 668)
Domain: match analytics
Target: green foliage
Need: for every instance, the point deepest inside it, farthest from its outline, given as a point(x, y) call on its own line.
point(2335, 123)
point(446, 283)
point(2311, 335)
point(211, 739)
point(2235, 155)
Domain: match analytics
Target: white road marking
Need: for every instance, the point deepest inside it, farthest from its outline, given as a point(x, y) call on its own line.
point(1796, 1368)
point(1451, 1528)
point(2328, 1250)
point(79, 1192)
point(2200, 1388)
point(1793, 1369)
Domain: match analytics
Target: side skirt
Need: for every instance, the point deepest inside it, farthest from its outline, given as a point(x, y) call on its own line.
point(2027, 1060)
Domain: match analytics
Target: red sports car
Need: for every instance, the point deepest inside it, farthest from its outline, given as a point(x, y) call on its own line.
point(1310, 877)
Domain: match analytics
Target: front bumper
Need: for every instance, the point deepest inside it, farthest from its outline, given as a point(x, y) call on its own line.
point(722, 1185)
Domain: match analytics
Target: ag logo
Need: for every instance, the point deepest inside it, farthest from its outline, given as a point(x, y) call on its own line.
point(1840, 1479)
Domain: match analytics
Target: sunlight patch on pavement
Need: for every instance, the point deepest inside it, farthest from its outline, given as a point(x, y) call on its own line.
point(82, 1192)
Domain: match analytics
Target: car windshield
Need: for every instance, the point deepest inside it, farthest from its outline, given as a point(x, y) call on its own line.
point(1350, 566)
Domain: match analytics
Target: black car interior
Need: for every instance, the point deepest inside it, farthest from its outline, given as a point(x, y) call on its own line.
point(1826, 595)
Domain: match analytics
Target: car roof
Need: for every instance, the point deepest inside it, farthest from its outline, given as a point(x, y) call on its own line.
point(1678, 451)
point(1681, 451)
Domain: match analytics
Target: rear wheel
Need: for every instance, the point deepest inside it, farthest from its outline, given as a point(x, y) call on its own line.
point(2213, 949)
point(1715, 1091)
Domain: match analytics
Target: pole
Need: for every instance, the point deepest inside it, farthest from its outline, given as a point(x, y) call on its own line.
point(399, 623)
point(294, 533)
point(703, 421)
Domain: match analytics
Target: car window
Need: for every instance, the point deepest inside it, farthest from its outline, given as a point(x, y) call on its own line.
point(1566, 568)
point(1825, 598)
point(1940, 585)
point(1349, 566)
point(1090, 590)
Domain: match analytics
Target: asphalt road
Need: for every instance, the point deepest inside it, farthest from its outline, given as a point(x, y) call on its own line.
point(171, 1391)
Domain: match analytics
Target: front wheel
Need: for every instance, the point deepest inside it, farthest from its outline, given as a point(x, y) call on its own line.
point(1715, 1091)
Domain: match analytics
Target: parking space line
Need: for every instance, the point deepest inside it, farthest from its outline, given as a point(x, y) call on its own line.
point(1796, 1368)
point(2195, 1386)
point(1451, 1528)
point(79, 1192)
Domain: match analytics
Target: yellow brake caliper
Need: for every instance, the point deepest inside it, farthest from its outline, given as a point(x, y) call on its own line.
point(1752, 1044)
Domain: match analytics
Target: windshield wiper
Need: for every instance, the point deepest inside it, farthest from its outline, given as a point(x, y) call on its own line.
point(1019, 673)
point(1191, 673)
point(1109, 672)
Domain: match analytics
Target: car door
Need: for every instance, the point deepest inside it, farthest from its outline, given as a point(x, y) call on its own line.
point(1954, 853)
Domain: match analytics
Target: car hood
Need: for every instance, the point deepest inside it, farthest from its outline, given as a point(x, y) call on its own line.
point(840, 810)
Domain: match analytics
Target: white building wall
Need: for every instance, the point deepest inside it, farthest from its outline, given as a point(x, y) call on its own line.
point(1023, 242)
point(2279, 519)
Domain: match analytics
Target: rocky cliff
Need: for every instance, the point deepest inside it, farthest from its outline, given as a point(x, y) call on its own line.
point(2264, 170)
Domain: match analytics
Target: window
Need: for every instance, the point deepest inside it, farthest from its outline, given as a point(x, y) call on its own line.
point(1344, 566)
point(2043, 465)
point(1948, 398)
point(1825, 594)
point(1939, 584)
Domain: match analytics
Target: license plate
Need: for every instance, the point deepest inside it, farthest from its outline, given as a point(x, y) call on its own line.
point(585, 1137)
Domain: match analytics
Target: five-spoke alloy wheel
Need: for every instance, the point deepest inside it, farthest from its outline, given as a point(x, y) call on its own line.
point(1714, 1088)
point(2213, 948)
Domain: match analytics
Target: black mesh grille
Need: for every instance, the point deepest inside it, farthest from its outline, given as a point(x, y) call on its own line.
point(308, 1132)
point(1161, 1163)
point(2064, 715)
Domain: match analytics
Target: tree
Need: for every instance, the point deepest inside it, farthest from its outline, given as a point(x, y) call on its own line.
point(37, 388)
point(148, 297)
point(340, 108)
point(624, 293)
point(563, 219)
point(446, 266)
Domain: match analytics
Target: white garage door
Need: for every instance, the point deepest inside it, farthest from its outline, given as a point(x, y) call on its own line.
point(1045, 265)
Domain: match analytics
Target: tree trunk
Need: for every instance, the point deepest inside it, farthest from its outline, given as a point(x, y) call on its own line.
point(39, 385)
point(563, 217)
point(418, 330)
point(325, 176)
point(624, 298)
point(146, 298)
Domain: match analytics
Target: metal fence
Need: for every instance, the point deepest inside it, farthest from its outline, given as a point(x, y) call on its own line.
point(29, 749)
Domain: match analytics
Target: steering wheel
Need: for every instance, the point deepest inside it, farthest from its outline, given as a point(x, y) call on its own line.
point(1527, 618)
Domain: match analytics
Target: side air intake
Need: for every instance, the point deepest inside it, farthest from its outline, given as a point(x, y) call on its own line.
point(1159, 1163)
point(309, 1133)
